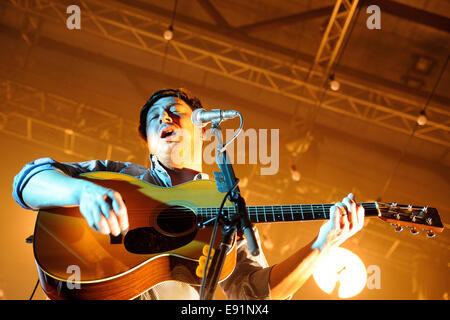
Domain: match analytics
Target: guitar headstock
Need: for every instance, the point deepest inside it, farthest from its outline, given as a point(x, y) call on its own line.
point(413, 217)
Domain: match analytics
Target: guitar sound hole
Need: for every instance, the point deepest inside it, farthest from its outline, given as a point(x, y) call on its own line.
point(174, 227)
point(176, 220)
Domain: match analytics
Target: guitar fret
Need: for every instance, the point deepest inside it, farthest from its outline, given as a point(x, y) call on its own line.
point(256, 215)
point(303, 212)
point(268, 215)
point(326, 212)
point(276, 213)
point(281, 213)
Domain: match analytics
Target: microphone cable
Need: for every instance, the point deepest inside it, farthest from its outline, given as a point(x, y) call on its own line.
point(34, 290)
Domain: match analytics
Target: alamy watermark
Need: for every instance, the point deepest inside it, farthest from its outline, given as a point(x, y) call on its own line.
point(373, 277)
point(258, 152)
point(251, 146)
point(73, 281)
point(373, 21)
point(74, 20)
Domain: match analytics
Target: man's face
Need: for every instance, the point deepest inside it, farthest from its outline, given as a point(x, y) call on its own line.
point(171, 135)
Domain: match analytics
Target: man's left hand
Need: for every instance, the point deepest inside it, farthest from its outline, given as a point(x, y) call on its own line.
point(346, 219)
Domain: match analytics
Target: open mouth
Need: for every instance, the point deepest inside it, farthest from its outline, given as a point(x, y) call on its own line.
point(168, 133)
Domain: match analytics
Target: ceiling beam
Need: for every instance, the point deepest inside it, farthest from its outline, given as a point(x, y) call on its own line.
point(213, 13)
point(287, 20)
point(393, 8)
point(413, 14)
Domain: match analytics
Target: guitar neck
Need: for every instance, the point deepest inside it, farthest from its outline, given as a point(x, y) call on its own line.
point(285, 213)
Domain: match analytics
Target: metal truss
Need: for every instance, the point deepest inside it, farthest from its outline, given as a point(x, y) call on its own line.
point(74, 128)
point(134, 29)
point(334, 35)
point(324, 61)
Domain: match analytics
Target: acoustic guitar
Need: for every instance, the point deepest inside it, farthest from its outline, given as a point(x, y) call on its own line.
point(164, 241)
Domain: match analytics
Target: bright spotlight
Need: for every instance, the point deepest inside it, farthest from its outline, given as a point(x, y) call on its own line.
point(341, 267)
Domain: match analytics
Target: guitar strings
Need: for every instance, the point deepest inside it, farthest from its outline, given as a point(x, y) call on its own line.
point(274, 211)
point(304, 208)
point(285, 209)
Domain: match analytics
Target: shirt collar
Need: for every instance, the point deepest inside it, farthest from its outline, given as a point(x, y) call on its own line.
point(156, 165)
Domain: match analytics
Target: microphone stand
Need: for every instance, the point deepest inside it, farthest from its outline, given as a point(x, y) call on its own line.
point(239, 221)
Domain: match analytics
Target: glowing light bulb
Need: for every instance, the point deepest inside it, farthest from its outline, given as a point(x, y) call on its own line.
point(341, 267)
point(334, 84)
point(422, 119)
point(295, 175)
point(168, 34)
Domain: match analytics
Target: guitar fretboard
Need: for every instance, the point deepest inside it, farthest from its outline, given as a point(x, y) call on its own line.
point(283, 213)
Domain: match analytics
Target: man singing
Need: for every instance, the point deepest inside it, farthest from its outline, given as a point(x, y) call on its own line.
point(175, 147)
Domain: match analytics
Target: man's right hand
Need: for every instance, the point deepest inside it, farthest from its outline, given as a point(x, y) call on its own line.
point(103, 209)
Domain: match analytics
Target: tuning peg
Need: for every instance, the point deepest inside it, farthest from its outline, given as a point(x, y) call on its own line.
point(431, 234)
point(409, 207)
point(414, 231)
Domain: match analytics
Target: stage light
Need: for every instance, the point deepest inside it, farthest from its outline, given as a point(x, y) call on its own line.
point(341, 267)
point(422, 119)
point(295, 175)
point(334, 84)
point(168, 34)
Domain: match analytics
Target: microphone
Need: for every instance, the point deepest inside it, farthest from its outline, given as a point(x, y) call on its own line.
point(201, 116)
point(251, 240)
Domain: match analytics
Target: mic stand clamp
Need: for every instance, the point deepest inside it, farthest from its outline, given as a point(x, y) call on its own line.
point(239, 221)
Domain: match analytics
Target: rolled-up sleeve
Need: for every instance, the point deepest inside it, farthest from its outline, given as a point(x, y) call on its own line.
point(71, 169)
point(250, 278)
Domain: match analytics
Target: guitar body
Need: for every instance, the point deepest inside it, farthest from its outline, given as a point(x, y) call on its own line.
point(163, 242)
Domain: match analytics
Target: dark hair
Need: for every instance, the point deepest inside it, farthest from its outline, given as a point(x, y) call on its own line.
point(182, 94)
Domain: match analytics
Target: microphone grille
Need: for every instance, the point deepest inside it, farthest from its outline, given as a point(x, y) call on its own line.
point(194, 118)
